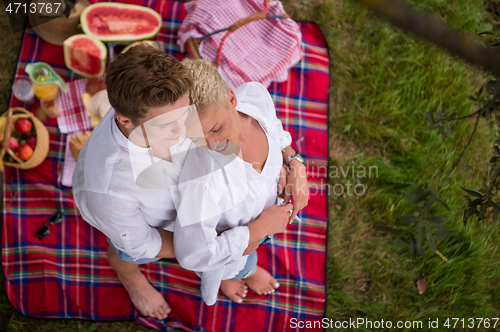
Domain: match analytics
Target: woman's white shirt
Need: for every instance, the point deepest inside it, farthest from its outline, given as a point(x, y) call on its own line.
point(221, 195)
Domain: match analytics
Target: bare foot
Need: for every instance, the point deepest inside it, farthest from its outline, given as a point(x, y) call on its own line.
point(145, 298)
point(236, 290)
point(262, 282)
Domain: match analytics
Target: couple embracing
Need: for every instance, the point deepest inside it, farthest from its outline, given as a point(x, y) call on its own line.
point(184, 167)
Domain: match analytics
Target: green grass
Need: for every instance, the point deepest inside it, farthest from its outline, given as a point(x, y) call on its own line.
point(382, 81)
point(10, 44)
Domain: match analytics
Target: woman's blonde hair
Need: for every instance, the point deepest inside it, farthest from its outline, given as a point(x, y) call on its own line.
point(209, 90)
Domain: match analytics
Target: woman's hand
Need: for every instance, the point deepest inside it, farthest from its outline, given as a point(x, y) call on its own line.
point(273, 220)
point(282, 181)
point(296, 186)
point(252, 246)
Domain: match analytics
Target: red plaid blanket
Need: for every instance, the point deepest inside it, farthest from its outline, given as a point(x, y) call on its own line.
point(66, 275)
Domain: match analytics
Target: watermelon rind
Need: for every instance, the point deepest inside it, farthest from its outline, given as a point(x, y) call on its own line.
point(124, 37)
point(128, 47)
point(104, 53)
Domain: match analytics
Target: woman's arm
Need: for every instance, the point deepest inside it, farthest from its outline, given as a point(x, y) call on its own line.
point(257, 95)
point(296, 183)
point(197, 245)
point(273, 220)
point(167, 244)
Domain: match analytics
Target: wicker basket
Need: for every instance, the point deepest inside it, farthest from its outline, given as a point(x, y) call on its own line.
point(193, 44)
point(41, 150)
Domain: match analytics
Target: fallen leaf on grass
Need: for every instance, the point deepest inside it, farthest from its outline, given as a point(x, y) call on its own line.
point(421, 285)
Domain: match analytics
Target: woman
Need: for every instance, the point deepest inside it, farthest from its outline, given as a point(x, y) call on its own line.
point(228, 191)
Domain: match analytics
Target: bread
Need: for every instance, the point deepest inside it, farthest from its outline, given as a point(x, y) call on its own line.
point(76, 143)
point(95, 85)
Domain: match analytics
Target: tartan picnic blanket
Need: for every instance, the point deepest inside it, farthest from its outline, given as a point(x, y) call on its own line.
point(67, 275)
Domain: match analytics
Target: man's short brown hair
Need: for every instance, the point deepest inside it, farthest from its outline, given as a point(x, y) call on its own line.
point(143, 78)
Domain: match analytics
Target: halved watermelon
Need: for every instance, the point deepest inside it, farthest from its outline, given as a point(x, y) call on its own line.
point(85, 55)
point(111, 21)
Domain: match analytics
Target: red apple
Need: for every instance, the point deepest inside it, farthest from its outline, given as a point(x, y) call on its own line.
point(23, 126)
point(13, 144)
point(24, 152)
point(32, 141)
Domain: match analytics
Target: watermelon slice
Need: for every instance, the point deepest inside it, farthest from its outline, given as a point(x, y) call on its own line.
point(85, 55)
point(109, 21)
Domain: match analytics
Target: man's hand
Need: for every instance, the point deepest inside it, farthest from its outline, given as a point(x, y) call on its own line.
point(296, 186)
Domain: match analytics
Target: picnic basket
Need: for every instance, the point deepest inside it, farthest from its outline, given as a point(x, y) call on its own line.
point(41, 149)
point(193, 44)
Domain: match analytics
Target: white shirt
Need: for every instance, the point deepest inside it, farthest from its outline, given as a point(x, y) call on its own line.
point(115, 193)
point(220, 195)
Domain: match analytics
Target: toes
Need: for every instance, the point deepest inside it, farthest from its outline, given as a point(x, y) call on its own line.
point(236, 298)
point(241, 293)
point(163, 313)
point(271, 287)
point(166, 308)
point(158, 315)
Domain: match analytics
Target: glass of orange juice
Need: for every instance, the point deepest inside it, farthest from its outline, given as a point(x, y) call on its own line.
point(49, 107)
point(47, 92)
point(45, 80)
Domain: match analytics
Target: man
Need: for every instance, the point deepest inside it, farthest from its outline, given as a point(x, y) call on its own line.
point(147, 89)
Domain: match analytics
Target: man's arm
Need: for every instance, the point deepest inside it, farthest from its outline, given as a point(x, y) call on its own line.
point(122, 221)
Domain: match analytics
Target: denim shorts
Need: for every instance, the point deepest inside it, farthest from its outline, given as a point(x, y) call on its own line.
point(123, 256)
point(251, 265)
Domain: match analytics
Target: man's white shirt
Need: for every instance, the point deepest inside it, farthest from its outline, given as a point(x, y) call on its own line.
point(113, 190)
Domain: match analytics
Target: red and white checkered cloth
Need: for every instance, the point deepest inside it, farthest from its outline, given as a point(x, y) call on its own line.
point(261, 51)
point(72, 114)
point(69, 164)
point(72, 119)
